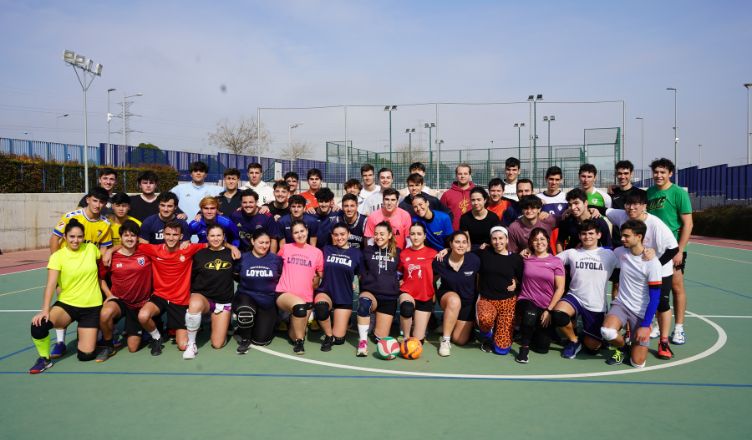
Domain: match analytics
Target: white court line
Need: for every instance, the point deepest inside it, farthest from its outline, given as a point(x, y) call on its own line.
point(18, 311)
point(19, 291)
point(719, 343)
point(721, 258)
point(721, 316)
point(21, 271)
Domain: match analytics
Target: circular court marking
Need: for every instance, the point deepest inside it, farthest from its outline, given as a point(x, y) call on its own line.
point(719, 343)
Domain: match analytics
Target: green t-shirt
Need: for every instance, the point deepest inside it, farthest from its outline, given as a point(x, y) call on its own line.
point(669, 205)
point(78, 280)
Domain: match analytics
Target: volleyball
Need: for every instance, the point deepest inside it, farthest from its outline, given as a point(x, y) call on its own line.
point(411, 348)
point(387, 348)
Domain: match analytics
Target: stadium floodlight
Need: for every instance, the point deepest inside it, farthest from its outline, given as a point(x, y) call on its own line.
point(89, 71)
point(410, 132)
point(749, 132)
point(549, 119)
point(390, 109)
point(430, 126)
point(518, 126)
point(676, 136)
point(533, 99)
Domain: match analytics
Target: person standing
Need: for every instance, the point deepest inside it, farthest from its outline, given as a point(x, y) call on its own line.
point(478, 221)
point(264, 190)
point(511, 174)
point(457, 197)
point(368, 177)
point(229, 199)
point(190, 194)
point(623, 188)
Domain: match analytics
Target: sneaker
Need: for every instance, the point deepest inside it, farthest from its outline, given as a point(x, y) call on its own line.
point(445, 348)
point(522, 355)
point(571, 349)
point(105, 353)
point(655, 331)
point(678, 337)
point(41, 365)
point(486, 347)
point(362, 348)
point(243, 346)
point(58, 350)
point(190, 352)
point(156, 346)
point(617, 358)
point(664, 351)
point(327, 344)
point(297, 347)
point(118, 342)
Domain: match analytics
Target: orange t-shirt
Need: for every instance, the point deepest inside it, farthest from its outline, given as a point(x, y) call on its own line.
point(311, 201)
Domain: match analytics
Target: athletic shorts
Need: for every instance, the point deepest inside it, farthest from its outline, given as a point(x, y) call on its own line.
point(684, 263)
point(467, 308)
point(86, 317)
point(664, 304)
point(626, 316)
point(132, 326)
point(217, 308)
point(591, 321)
point(175, 312)
point(424, 306)
point(386, 304)
point(335, 305)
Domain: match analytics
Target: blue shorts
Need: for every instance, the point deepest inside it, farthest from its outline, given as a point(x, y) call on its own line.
point(591, 321)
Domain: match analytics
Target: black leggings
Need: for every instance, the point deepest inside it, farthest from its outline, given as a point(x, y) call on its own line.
point(532, 333)
point(264, 321)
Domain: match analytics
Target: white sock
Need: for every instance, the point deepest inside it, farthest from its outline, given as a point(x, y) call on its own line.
point(363, 331)
point(60, 334)
point(155, 334)
point(446, 338)
point(678, 327)
point(192, 337)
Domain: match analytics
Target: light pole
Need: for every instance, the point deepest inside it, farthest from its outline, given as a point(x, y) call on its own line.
point(549, 119)
point(518, 126)
point(676, 137)
point(109, 116)
point(289, 140)
point(89, 70)
point(390, 109)
point(642, 145)
point(439, 143)
point(410, 132)
point(126, 114)
point(749, 132)
point(430, 126)
point(534, 100)
point(699, 155)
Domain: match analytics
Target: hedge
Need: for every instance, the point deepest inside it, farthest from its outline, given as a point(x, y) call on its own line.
point(731, 221)
point(24, 174)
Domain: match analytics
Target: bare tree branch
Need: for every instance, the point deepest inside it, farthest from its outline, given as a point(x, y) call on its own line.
point(240, 137)
point(296, 151)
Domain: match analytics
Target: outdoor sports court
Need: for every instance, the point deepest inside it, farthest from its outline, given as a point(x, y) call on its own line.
point(705, 391)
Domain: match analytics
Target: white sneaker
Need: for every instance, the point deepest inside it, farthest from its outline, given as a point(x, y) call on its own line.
point(190, 352)
point(678, 337)
point(655, 331)
point(445, 348)
point(362, 348)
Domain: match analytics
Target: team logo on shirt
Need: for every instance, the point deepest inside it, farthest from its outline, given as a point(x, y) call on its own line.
point(217, 265)
point(141, 261)
point(413, 268)
point(300, 261)
point(469, 273)
point(182, 258)
point(338, 259)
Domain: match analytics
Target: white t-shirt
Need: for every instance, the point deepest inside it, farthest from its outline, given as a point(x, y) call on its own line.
point(365, 194)
point(634, 279)
point(510, 190)
point(658, 235)
point(554, 205)
point(189, 196)
point(590, 271)
point(264, 190)
point(371, 204)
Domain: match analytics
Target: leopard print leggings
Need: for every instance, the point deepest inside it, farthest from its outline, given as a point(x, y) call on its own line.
point(497, 315)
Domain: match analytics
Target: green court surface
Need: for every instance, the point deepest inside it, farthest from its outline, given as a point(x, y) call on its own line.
point(705, 391)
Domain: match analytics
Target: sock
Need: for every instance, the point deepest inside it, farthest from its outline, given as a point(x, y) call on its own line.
point(60, 334)
point(155, 334)
point(678, 327)
point(363, 331)
point(446, 338)
point(43, 346)
point(192, 337)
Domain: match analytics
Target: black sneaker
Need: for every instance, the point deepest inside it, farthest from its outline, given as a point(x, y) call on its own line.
point(327, 344)
point(243, 346)
point(522, 355)
point(486, 346)
point(156, 346)
point(106, 353)
point(617, 358)
point(297, 347)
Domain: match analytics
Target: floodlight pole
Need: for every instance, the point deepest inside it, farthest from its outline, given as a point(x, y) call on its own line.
point(642, 145)
point(518, 126)
point(390, 109)
point(749, 132)
point(550, 149)
point(676, 138)
point(109, 116)
point(347, 158)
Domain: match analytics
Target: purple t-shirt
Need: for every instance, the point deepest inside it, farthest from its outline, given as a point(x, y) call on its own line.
point(538, 279)
point(519, 232)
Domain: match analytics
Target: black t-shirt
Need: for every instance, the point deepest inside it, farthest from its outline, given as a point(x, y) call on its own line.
point(496, 273)
point(277, 213)
point(569, 235)
point(141, 209)
point(478, 229)
point(228, 206)
point(212, 275)
point(620, 196)
point(378, 274)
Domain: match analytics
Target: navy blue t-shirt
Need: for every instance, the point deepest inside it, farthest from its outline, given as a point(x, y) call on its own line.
point(324, 235)
point(461, 281)
point(259, 277)
point(285, 223)
point(248, 224)
point(356, 229)
point(340, 268)
point(152, 229)
point(569, 234)
point(379, 272)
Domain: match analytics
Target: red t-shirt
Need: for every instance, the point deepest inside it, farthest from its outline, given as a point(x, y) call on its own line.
point(130, 278)
point(417, 272)
point(311, 201)
point(172, 271)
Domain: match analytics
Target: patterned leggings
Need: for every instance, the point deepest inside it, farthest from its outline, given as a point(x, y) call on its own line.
point(497, 315)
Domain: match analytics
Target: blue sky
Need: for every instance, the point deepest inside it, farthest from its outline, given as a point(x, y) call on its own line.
point(320, 53)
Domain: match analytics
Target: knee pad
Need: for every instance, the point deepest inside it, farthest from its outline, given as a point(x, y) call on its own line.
point(559, 318)
point(85, 357)
point(192, 321)
point(321, 309)
point(299, 310)
point(42, 330)
point(246, 316)
point(664, 304)
point(339, 341)
point(407, 309)
point(609, 334)
point(529, 318)
point(364, 306)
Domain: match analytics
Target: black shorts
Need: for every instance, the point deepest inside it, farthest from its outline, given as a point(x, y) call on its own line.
point(664, 305)
point(264, 321)
point(175, 312)
point(684, 263)
point(336, 306)
point(424, 306)
point(86, 317)
point(132, 326)
point(386, 305)
point(467, 308)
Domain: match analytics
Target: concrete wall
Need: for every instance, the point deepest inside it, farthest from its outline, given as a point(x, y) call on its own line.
point(26, 220)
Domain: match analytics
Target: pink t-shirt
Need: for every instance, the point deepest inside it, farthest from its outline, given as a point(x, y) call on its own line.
point(538, 279)
point(400, 221)
point(299, 266)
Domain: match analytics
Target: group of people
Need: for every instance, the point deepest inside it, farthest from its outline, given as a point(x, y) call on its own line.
point(499, 264)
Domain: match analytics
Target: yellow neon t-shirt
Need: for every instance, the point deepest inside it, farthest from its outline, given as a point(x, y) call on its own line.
point(115, 228)
point(79, 275)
